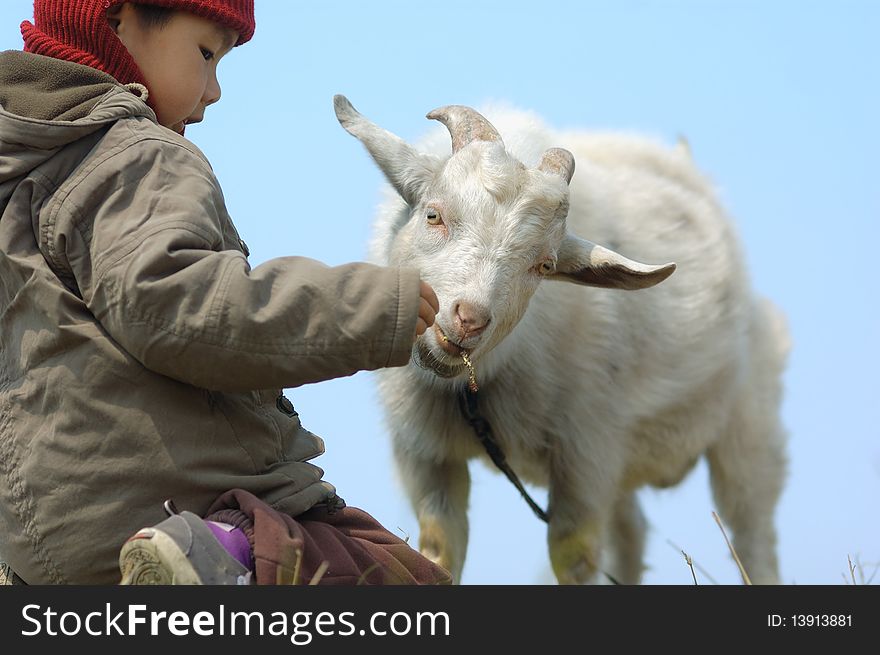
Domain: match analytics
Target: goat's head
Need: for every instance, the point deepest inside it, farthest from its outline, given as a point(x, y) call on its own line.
point(485, 230)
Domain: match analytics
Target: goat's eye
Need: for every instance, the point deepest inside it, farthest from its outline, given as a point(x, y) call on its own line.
point(547, 267)
point(433, 216)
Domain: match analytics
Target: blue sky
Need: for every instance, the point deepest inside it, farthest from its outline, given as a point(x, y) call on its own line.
point(780, 104)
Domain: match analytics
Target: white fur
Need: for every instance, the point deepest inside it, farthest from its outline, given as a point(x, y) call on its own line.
point(593, 392)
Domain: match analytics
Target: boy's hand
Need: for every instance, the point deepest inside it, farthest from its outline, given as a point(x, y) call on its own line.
point(428, 308)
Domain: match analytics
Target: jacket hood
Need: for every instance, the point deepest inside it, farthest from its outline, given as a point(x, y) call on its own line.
point(47, 103)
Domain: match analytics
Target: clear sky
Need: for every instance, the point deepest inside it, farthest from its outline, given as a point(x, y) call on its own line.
point(780, 102)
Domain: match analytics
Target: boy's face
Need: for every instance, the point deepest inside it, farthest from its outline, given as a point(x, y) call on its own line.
point(178, 61)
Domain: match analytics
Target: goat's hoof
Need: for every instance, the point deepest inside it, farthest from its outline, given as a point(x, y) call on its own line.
point(574, 558)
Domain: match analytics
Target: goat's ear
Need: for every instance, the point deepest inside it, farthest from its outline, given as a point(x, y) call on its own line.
point(408, 170)
point(584, 262)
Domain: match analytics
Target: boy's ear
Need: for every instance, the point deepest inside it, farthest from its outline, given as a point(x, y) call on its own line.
point(114, 16)
point(121, 15)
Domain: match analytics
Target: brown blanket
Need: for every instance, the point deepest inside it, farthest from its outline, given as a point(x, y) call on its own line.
point(343, 546)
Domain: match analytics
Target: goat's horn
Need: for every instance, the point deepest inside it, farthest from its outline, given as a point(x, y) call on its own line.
point(465, 125)
point(558, 161)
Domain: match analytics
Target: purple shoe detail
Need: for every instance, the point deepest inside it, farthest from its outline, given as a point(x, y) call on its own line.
point(235, 541)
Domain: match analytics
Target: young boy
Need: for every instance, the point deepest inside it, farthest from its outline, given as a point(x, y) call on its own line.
point(141, 358)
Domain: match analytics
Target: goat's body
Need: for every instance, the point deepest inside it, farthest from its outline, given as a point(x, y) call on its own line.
point(597, 392)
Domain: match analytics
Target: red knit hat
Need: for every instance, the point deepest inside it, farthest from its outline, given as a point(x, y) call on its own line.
point(78, 30)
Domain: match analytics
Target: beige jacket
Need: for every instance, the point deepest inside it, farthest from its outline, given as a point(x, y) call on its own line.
point(140, 355)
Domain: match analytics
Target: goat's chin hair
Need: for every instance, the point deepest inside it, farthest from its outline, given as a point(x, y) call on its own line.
point(424, 358)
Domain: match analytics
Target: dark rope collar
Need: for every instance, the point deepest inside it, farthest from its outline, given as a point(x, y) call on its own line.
point(467, 400)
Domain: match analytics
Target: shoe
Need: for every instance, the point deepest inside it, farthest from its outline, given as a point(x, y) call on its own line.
point(181, 550)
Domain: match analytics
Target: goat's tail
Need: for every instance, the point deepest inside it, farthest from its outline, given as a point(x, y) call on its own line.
point(771, 321)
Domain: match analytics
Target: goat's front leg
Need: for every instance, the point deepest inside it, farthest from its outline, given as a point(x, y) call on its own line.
point(579, 508)
point(439, 495)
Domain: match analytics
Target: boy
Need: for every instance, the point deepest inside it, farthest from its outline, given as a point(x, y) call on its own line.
point(140, 356)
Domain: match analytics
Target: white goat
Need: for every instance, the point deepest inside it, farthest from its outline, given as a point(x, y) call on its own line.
point(590, 391)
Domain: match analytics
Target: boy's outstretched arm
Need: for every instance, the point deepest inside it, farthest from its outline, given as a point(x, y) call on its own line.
point(157, 262)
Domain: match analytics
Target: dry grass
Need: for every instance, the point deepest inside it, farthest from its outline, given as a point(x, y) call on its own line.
point(690, 563)
point(297, 568)
point(854, 567)
point(693, 564)
point(742, 570)
point(294, 579)
point(858, 566)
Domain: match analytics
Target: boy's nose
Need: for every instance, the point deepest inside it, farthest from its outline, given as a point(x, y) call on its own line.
point(212, 91)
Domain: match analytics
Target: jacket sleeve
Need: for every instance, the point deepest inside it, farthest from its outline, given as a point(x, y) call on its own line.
point(150, 264)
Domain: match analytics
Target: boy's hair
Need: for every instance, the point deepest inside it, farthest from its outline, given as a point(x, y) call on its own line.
point(78, 30)
point(153, 16)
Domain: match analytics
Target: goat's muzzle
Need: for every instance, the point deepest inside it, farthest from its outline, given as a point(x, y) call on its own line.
point(446, 343)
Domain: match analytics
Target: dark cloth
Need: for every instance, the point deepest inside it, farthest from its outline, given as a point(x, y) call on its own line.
point(353, 546)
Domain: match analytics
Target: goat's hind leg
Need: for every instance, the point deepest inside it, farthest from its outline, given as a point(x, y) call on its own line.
point(747, 468)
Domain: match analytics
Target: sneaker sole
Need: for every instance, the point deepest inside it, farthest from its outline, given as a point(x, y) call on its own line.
point(152, 558)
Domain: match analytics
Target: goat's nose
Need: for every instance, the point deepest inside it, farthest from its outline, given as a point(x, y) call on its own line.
point(470, 319)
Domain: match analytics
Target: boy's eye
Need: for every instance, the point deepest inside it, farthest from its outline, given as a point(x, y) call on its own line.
point(207, 54)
